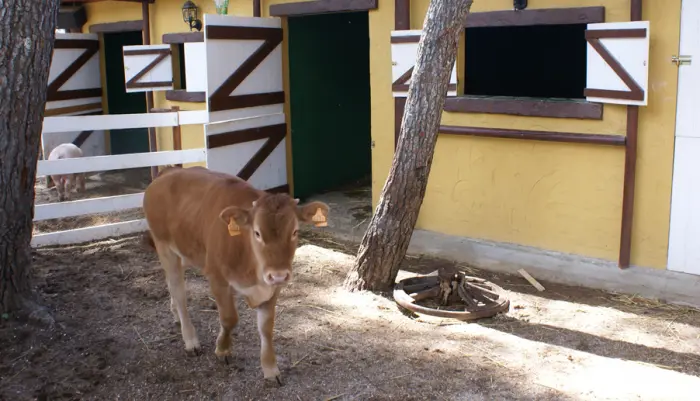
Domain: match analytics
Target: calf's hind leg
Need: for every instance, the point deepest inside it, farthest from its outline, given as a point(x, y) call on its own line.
point(175, 277)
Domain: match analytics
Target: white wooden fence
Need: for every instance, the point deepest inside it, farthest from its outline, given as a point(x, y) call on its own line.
point(101, 163)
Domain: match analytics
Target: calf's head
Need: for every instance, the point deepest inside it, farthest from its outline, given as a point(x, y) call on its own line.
point(271, 226)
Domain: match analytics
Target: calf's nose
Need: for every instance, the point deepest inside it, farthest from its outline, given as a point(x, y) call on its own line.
point(277, 277)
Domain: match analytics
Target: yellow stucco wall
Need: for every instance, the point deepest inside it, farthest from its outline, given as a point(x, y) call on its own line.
point(562, 197)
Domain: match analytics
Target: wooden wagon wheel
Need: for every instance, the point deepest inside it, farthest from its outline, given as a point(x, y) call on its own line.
point(481, 298)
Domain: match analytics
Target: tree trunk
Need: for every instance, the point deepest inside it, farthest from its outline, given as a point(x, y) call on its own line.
point(385, 243)
point(26, 40)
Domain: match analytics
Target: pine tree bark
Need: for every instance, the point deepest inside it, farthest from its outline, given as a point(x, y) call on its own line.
point(26, 44)
point(386, 240)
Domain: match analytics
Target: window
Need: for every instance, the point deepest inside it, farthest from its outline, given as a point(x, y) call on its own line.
point(188, 51)
point(180, 60)
point(538, 61)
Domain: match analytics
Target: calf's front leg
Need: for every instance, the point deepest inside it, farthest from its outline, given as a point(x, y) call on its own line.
point(266, 323)
point(228, 316)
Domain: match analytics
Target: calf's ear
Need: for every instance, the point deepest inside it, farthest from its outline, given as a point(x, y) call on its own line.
point(314, 212)
point(235, 218)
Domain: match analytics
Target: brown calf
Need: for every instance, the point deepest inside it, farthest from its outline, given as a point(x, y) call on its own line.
point(242, 238)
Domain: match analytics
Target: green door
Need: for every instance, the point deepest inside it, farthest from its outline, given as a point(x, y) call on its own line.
point(329, 100)
point(123, 141)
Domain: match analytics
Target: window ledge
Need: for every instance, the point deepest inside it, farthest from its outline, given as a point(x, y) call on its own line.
point(183, 37)
point(184, 96)
point(530, 107)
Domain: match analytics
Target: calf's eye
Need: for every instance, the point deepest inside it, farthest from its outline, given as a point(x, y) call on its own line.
point(294, 234)
point(257, 234)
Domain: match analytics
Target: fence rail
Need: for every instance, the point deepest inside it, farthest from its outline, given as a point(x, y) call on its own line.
point(86, 234)
point(123, 121)
point(119, 162)
point(162, 118)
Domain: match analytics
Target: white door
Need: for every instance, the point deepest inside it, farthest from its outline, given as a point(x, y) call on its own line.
point(684, 237)
point(246, 134)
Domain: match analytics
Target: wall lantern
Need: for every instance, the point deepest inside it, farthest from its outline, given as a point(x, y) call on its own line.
point(189, 15)
point(519, 4)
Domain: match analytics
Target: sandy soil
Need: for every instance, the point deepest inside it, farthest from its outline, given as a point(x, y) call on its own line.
point(114, 339)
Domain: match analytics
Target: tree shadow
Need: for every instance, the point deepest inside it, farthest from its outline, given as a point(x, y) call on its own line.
point(687, 363)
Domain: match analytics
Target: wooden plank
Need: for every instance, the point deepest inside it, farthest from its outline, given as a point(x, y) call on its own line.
point(183, 37)
point(525, 107)
point(614, 140)
point(146, 40)
point(181, 95)
point(546, 16)
point(87, 206)
point(531, 280)
point(321, 7)
point(402, 15)
point(119, 162)
point(119, 26)
point(109, 121)
point(630, 178)
point(72, 109)
point(87, 234)
point(193, 117)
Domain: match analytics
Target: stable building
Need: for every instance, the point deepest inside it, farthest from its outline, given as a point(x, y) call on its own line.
point(568, 129)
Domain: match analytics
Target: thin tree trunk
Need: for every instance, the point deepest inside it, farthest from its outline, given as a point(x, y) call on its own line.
point(385, 243)
point(26, 44)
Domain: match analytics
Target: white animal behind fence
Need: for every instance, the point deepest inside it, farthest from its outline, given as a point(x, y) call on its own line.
point(81, 165)
point(66, 183)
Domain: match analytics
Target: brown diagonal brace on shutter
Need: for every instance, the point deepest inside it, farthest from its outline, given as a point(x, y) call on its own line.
point(162, 54)
point(400, 84)
point(593, 38)
point(52, 92)
point(221, 99)
point(262, 154)
point(82, 137)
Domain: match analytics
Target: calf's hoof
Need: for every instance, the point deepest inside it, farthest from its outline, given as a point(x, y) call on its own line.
point(193, 348)
point(272, 377)
point(224, 356)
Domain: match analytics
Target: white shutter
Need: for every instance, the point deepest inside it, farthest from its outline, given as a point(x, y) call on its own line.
point(404, 51)
point(195, 66)
point(618, 63)
point(75, 89)
point(148, 68)
point(243, 66)
point(247, 131)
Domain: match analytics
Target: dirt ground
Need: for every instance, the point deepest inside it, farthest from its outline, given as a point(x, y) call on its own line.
point(114, 338)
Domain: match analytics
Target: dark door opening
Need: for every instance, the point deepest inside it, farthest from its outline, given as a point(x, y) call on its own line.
point(329, 101)
point(121, 141)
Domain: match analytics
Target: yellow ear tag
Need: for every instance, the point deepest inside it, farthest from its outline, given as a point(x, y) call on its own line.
point(319, 218)
point(233, 228)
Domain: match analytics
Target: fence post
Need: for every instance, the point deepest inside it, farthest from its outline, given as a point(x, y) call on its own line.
point(177, 134)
